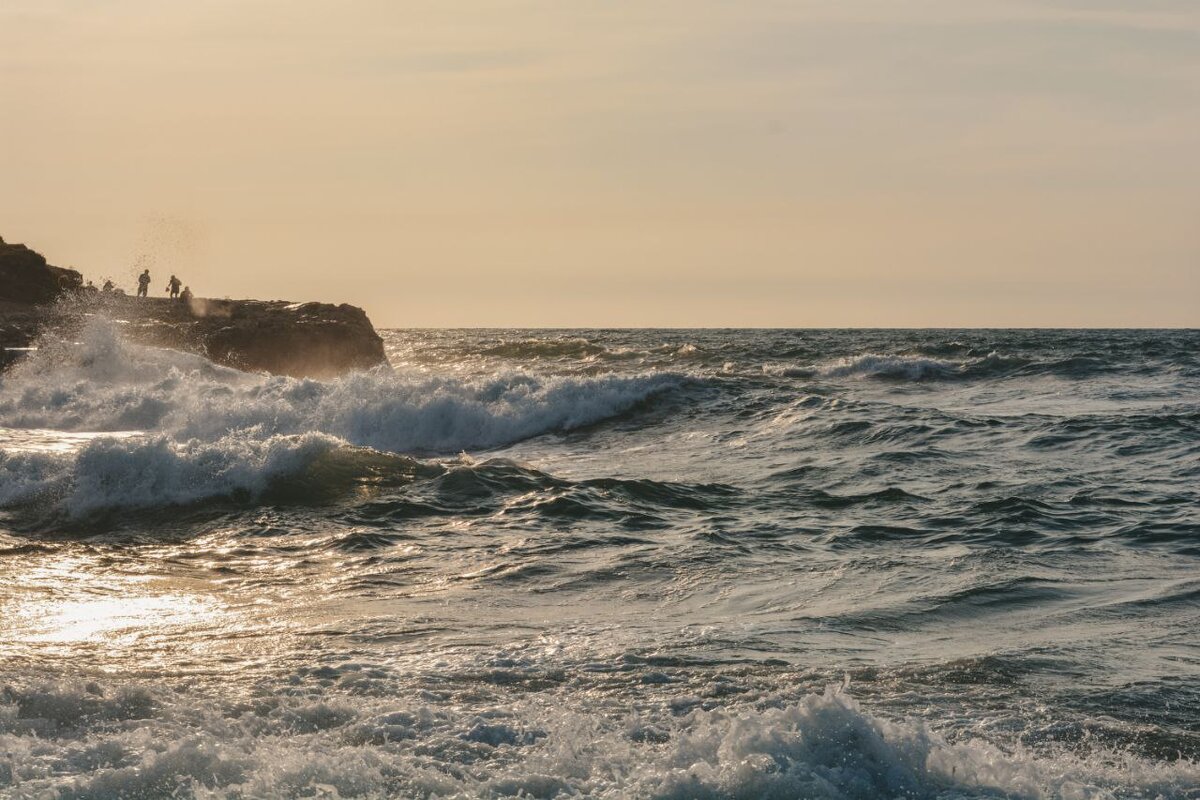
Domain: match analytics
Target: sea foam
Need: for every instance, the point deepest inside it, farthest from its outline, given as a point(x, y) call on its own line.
point(76, 741)
point(206, 431)
point(106, 384)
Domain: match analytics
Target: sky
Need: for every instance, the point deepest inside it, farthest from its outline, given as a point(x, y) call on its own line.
point(593, 163)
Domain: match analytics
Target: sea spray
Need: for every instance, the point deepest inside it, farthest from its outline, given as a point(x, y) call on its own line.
point(105, 384)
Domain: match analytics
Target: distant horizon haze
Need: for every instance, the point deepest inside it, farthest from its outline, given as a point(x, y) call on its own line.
point(528, 164)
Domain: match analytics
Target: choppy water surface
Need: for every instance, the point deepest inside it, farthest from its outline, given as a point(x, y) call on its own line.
point(660, 564)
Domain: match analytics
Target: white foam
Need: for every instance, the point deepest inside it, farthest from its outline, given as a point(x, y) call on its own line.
point(105, 384)
point(25, 476)
point(112, 741)
point(212, 431)
point(883, 366)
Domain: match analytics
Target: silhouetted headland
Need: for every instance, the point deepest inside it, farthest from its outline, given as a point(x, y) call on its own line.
point(276, 336)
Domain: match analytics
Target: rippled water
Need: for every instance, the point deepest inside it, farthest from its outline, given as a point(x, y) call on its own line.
point(661, 564)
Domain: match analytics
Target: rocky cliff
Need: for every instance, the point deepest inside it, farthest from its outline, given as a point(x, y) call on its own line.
point(298, 339)
point(26, 278)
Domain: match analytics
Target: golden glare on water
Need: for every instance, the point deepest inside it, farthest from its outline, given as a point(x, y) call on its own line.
point(69, 605)
point(114, 617)
point(36, 440)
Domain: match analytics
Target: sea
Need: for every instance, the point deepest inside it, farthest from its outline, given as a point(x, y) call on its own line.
point(607, 564)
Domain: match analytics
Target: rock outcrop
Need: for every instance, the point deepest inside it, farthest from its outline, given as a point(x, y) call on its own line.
point(26, 278)
point(314, 340)
point(298, 339)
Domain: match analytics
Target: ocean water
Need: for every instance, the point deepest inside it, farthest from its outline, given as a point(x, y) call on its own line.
point(611, 564)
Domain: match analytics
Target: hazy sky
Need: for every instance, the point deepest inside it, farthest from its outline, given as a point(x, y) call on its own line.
point(589, 162)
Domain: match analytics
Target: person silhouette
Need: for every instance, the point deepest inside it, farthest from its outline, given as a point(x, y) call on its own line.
point(143, 283)
point(173, 286)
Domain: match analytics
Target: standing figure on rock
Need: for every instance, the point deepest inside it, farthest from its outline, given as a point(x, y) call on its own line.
point(173, 287)
point(144, 283)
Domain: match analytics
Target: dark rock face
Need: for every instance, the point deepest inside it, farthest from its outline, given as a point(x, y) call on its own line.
point(306, 339)
point(25, 277)
point(315, 340)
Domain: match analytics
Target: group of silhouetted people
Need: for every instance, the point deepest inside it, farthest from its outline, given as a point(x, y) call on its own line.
point(173, 287)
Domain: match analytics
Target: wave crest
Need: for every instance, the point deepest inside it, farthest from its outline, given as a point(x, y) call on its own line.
point(139, 473)
point(106, 384)
point(913, 368)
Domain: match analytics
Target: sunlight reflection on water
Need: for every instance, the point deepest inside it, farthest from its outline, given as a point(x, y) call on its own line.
point(74, 603)
point(47, 441)
point(113, 617)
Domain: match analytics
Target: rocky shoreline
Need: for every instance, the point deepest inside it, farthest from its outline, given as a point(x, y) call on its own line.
point(315, 340)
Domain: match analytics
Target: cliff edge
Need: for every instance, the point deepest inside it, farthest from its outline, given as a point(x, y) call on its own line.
point(299, 339)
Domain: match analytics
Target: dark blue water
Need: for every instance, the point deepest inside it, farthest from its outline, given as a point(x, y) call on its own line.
point(661, 564)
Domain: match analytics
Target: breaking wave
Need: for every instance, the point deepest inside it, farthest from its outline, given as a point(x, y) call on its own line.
point(105, 384)
point(183, 430)
point(903, 367)
point(143, 473)
point(149, 473)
